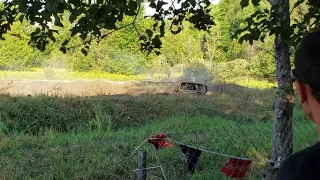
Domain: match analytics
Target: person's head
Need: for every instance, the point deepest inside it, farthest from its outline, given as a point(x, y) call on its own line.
point(307, 74)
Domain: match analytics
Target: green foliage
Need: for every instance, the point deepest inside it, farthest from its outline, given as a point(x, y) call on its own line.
point(62, 74)
point(119, 51)
point(93, 21)
point(97, 151)
point(238, 67)
point(15, 53)
point(263, 65)
point(197, 71)
point(3, 128)
point(265, 21)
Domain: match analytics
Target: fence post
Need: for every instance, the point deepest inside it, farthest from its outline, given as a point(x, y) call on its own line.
point(142, 165)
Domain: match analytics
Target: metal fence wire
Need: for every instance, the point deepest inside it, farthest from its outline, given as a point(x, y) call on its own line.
point(223, 151)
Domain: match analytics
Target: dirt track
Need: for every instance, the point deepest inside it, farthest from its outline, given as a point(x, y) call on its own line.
point(77, 88)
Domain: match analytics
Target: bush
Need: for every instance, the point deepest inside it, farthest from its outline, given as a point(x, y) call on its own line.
point(197, 71)
point(263, 66)
point(231, 69)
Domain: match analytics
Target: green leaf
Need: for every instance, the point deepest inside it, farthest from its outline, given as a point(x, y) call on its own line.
point(139, 2)
point(298, 3)
point(144, 38)
point(84, 51)
point(53, 31)
point(157, 53)
point(132, 6)
point(177, 31)
point(155, 25)
point(76, 3)
point(21, 18)
point(244, 3)
point(74, 15)
point(65, 42)
point(162, 30)
point(152, 4)
point(255, 2)
point(63, 50)
point(16, 35)
point(159, 5)
point(149, 32)
point(245, 37)
point(57, 21)
point(83, 36)
point(52, 38)
point(52, 5)
point(262, 38)
point(157, 42)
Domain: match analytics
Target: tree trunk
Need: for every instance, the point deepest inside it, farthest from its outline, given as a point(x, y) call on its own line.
point(282, 143)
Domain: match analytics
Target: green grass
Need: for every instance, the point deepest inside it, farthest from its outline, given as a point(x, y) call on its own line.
point(93, 137)
point(91, 154)
point(61, 74)
point(65, 114)
point(250, 82)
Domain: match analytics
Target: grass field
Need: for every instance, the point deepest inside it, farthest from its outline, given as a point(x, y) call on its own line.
point(93, 137)
point(62, 74)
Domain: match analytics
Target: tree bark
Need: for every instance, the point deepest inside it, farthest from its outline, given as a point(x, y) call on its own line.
point(282, 143)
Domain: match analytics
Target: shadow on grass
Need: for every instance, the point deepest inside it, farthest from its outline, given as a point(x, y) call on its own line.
point(36, 114)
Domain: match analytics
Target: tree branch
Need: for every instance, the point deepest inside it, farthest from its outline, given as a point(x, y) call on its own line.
point(106, 34)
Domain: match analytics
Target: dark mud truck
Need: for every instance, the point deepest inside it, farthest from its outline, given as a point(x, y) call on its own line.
point(190, 87)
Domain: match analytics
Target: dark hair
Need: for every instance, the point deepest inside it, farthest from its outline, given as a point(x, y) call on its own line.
point(307, 62)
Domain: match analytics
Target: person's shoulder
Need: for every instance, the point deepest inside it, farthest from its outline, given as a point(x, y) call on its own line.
point(302, 165)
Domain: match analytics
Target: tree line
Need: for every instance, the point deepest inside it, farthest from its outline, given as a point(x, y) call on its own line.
point(120, 51)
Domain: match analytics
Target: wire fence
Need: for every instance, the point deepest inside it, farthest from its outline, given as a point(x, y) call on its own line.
point(223, 150)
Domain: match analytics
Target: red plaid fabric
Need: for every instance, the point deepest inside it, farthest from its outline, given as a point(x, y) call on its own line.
point(159, 141)
point(236, 168)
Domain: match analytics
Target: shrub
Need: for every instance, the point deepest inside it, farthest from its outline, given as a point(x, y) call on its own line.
point(231, 69)
point(197, 71)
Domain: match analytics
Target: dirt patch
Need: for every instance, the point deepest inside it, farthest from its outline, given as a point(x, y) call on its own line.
point(79, 87)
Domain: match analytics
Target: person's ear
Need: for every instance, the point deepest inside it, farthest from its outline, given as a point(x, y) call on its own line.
point(302, 91)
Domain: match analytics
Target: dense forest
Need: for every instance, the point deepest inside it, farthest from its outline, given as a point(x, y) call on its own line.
point(120, 52)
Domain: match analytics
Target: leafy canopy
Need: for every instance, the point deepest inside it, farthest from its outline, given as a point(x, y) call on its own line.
point(94, 20)
point(269, 21)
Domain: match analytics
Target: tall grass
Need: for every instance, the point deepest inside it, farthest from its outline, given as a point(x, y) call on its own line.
point(93, 137)
point(107, 155)
point(116, 112)
point(61, 74)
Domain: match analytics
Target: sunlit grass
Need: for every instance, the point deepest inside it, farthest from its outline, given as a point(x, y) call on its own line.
point(250, 82)
point(63, 74)
point(60, 74)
